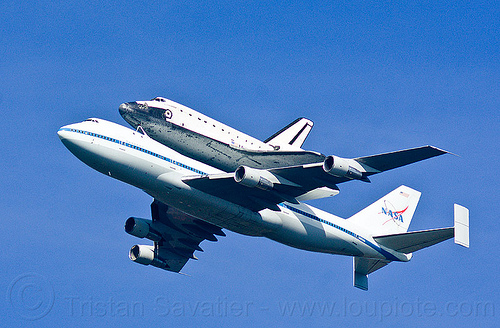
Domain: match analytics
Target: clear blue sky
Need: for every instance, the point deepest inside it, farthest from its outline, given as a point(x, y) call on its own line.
point(373, 77)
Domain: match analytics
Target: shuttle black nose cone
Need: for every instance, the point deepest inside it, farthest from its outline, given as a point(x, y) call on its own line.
point(129, 111)
point(124, 109)
point(133, 108)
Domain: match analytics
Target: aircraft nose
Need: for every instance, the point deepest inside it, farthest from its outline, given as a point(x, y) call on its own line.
point(125, 108)
point(67, 137)
point(130, 111)
point(133, 107)
point(63, 132)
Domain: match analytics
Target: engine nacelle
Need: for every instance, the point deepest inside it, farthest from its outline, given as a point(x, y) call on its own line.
point(339, 167)
point(145, 254)
point(141, 228)
point(252, 178)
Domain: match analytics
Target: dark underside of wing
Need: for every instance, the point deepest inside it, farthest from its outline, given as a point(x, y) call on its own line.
point(181, 235)
point(227, 189)
point(295, 181)
point(224, 186)
point(392, 160)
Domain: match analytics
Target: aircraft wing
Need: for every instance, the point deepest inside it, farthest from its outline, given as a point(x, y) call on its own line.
point(258, 189)
point(392, 160)
point(290, 184)
point(312, 175)
point(181, 235)
point(225, 187)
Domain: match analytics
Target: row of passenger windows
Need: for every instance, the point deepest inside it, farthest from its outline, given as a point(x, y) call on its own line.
point(139, 149)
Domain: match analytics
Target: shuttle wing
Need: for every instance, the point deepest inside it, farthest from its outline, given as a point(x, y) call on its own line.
point(181, 235)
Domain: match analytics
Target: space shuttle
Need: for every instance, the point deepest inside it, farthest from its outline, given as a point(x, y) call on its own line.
point(225, 148)
point(215, 143)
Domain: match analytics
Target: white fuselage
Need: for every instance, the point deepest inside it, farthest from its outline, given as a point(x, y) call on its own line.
point(188, 118)
point(136, 159)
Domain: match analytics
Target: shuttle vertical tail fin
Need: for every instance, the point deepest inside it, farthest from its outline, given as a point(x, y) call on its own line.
point(390, 214)
point(294, 134)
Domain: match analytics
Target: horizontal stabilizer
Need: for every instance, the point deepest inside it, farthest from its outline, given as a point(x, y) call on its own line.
point(461, 225)
point(362, 267)
point(410, 242)
point(389, 161)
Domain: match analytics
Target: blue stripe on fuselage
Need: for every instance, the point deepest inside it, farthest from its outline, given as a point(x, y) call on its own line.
point(100, 136)
point(385, 253)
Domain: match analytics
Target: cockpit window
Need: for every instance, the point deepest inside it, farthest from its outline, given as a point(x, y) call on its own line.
point(160, 99)
point(92, 120)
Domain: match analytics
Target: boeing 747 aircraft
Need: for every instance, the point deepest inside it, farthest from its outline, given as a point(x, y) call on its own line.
point(194, 201)
point(216, 144)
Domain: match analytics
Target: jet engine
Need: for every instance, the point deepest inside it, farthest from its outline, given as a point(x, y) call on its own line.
point(145, 254)
point(339, 167)
point(142, 228)
point(252, 178)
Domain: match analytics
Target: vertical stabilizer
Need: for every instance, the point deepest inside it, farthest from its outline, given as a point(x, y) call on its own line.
point(390, 214)
point(461, 225)
point(362, 267)
point(294, 134)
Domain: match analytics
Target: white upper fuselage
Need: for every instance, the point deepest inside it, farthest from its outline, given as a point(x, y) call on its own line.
point(136, 159)
point(190, 119)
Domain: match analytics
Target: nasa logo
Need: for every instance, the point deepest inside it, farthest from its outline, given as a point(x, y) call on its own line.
point(167, 114)
point(395, 216)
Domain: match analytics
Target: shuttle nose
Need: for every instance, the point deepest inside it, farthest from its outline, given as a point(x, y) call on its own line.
point(133, 107)
point(124, 108)
point(130, 110)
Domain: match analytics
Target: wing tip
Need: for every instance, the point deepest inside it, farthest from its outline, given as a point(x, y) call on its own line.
point(441, 151)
